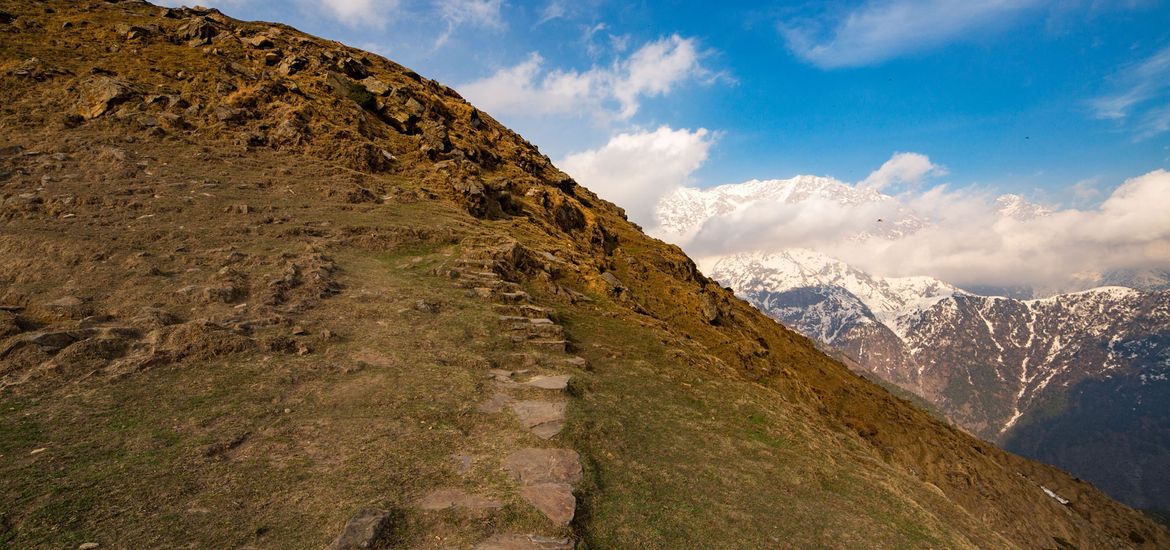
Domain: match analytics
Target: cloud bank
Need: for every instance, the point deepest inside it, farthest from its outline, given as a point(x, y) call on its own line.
point(966, 236)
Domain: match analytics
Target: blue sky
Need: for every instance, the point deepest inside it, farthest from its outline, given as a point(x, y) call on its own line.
point(941, 105)
point(1027, 96)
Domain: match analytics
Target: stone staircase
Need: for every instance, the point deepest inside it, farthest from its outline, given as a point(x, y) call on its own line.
point(531, 389)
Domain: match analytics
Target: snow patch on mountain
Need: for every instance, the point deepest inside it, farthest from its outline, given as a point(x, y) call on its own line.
point(892, 301)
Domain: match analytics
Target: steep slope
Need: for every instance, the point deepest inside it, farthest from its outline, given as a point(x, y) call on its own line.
point(260, 289)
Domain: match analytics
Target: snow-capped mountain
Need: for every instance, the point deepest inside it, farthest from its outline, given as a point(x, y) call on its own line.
point(992, 364)
point(1020, 372)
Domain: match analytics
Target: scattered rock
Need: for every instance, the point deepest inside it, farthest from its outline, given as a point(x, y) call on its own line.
point(710, 308)
point(261, 42)
point(100, 93)
point(364, 530)
point(445, 499)
point(292, 65)
point(131, 32)
point(534, 466)
point(352, 68)
point(554, 500)
point(375, 86)
point(524, 542)
point(615, 284)
point(88, 546)
point(426, 306)
point(197, 31)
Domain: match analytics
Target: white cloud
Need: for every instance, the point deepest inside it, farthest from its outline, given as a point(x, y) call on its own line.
point(529, 89)
point(1139, 83)
point(958, 235)
point(1142, 92)
point(475, 13)
point(883, 29)
point(635, 170)
point(361, 12)
point(902, 168)
point(555, 9)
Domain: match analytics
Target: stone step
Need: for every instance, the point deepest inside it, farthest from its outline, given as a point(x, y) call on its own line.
point(534, 331)
point(524, 542)
point(558, 382)
point(532, 465)
point(554, 500)
point(514, 297)
point(523, 320)
point(525, 310)
point(545, 419)
point(497, 285)
point(548, 345)
point(480, 278)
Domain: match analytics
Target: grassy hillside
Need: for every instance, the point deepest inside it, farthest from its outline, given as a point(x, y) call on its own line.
point(252, 282)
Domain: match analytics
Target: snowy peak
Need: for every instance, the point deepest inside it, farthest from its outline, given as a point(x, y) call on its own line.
point(1020, 209)
point(888, 298)
point(684, 212)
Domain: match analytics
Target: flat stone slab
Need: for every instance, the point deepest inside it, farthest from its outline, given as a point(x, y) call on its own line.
point(364, 530)
point(446, 499)
point(495, 404)
point(524, 542)
point(533, 466)
point(543, 418)
point(559, 382)
point(554, 500)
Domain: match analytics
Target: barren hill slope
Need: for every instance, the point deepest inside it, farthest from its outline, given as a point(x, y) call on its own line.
point(258, 289)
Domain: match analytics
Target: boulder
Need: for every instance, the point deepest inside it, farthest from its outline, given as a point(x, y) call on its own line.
point(131, 32)
point(375, 86)
point(260, 41)
point(291, 65)
point(100, 93)
point(197, 31)
point(366, 529)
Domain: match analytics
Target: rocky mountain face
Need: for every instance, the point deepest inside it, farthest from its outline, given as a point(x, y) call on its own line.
point(260, 289)
point(1005, 369)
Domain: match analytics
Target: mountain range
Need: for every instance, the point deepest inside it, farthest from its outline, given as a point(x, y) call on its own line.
point(1076, 379)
